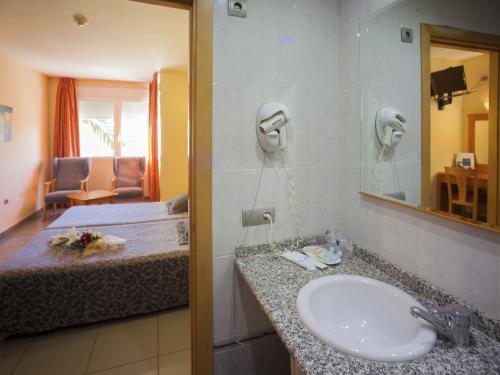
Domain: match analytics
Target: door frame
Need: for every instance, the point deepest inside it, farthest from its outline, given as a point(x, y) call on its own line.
point(200, 188)
point(200, 179)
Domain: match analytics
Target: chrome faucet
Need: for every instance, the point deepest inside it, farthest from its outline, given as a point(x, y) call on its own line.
point(453, 321)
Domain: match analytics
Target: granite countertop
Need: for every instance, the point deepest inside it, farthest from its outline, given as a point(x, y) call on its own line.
point(276, 283)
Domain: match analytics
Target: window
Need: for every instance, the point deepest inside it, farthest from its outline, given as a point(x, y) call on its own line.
point(134, 126)
point(113, 122)
point(97, 128)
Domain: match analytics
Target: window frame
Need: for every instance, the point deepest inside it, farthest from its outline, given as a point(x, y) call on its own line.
point(118, 96)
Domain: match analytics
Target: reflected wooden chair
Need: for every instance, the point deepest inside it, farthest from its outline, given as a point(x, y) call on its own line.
point(466, 195)
point(482, 199)
point(482, 169)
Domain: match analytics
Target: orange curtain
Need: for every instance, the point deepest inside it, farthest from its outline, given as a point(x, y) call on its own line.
point(66, 134)
point(153, 160)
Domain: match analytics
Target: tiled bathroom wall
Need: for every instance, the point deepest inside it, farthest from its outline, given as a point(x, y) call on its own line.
point(305, 53)
point(390, 76)
point(461, 260)
point(286, 51)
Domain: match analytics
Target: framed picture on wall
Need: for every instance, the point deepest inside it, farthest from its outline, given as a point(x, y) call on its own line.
point(5, 123)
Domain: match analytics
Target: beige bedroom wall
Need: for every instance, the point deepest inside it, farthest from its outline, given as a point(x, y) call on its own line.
point(481, 141)
point(24, 160)
point(174, 102)
point(51, 104)
point(476, 102)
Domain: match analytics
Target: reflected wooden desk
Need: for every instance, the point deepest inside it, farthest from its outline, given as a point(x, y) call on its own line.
point(442, 203)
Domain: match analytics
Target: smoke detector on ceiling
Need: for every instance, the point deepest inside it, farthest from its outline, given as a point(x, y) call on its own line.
point(80, 20)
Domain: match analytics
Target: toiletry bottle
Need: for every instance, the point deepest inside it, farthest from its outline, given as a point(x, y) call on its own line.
point(337, 248)
point(347, 247)
point(329, 240)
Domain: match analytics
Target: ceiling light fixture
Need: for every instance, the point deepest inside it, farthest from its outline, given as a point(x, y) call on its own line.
point(80, 20)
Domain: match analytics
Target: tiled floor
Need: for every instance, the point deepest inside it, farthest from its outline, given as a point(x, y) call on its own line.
point(156, 344)
point(21, 235)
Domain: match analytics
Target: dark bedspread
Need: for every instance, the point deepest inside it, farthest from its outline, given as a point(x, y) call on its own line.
point(42, 288)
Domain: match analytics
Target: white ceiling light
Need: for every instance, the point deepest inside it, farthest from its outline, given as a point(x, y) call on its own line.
point(80, 20)
point(123, 40)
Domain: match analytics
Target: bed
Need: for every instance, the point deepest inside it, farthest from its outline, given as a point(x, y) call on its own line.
point(114, 214)
point(43, 288)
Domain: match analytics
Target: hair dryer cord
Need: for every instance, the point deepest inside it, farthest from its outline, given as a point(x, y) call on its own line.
point(292, 200)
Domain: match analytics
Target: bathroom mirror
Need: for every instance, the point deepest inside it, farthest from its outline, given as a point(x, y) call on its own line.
point(429, 110)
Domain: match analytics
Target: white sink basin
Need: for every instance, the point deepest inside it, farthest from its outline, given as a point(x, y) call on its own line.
point(365, 318)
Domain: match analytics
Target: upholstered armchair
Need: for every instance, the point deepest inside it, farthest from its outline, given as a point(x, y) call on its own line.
point(128, 179)
point(70, 176)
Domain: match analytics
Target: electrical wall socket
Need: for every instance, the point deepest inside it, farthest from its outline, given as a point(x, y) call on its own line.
point(237, 8)
point(256, 217)
point(406, 35)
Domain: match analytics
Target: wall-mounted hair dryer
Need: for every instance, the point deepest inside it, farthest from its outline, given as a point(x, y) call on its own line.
point(390, 126)
point(271, 129)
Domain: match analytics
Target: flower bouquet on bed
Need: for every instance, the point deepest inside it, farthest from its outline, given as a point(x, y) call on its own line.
point(87, 242)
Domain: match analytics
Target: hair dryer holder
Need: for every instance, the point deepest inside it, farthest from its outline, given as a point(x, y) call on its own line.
point(277, 138)
point(393, 118)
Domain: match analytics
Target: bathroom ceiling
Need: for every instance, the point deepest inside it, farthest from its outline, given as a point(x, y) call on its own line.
point(452, 53)
point(123, 40)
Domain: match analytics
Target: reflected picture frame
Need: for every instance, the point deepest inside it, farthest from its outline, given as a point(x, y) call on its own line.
point(466, 160)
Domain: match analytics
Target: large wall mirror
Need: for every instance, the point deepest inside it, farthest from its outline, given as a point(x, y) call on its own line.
point(430, 99)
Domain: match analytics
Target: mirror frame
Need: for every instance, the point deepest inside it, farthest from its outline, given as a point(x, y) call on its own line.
point(471, 129)
point(470, 39)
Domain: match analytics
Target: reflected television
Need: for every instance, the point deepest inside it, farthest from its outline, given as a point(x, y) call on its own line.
point(448, 81)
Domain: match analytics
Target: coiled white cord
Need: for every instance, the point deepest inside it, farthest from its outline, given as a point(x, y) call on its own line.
point(395, 167)
point(382, 152)
point(268, 217)
point(292, 200)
